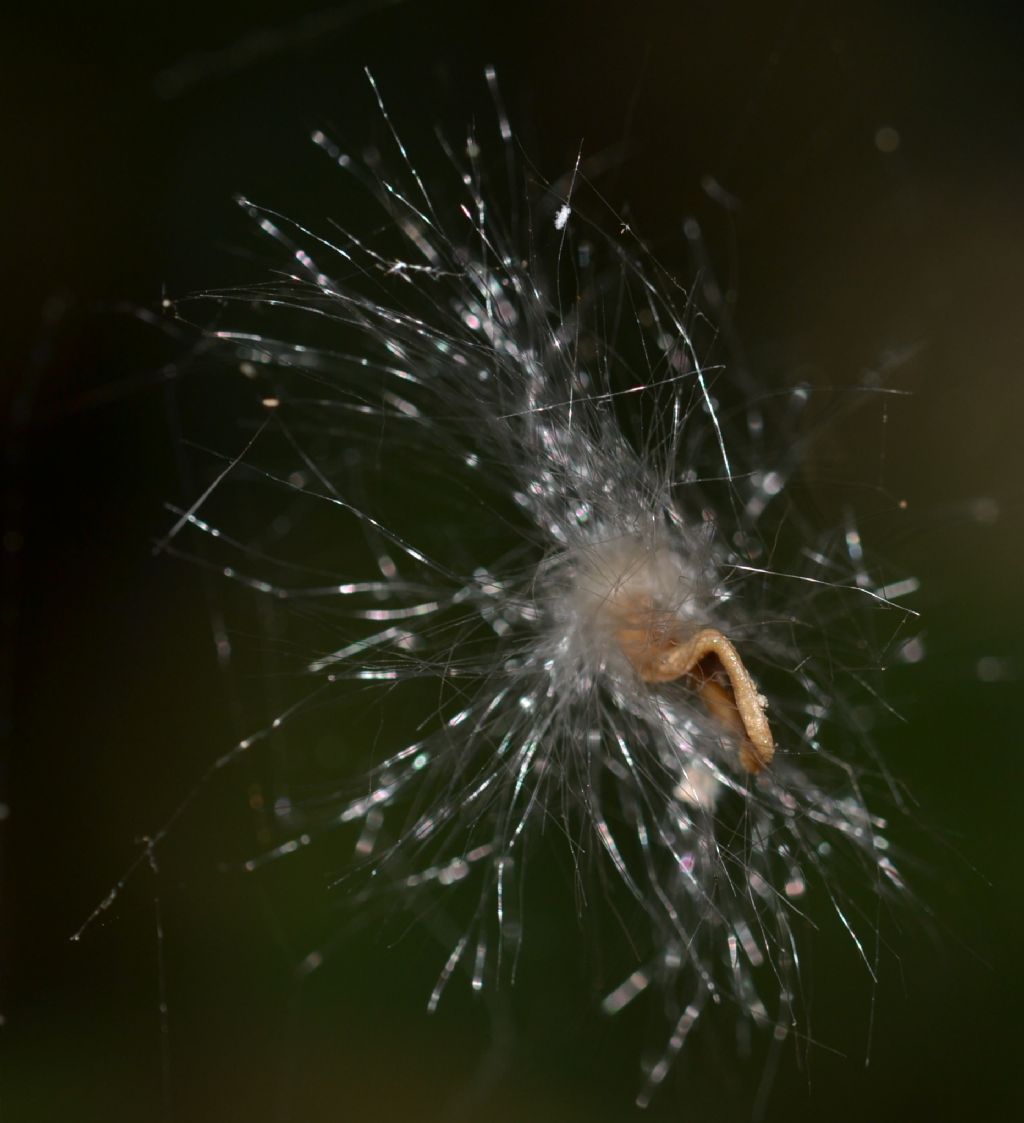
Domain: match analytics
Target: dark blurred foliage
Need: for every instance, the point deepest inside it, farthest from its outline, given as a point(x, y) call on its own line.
point(129, 129)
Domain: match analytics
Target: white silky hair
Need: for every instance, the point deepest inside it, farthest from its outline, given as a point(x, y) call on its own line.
point(518, 424)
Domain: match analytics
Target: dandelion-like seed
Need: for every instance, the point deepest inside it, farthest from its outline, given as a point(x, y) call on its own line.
point(568, 535)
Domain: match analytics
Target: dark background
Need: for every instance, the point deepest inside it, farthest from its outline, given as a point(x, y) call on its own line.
point(128, 131)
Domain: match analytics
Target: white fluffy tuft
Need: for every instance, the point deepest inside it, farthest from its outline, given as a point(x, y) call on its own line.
point(541, 497)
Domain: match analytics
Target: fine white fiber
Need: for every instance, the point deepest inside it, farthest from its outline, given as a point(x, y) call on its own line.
point(529, 518)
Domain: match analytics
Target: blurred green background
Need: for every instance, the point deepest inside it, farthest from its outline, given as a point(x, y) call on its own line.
point(877, 153)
